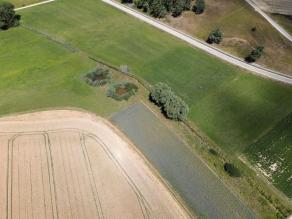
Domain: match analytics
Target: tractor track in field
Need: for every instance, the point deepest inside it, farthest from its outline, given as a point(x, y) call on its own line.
point(51, 169)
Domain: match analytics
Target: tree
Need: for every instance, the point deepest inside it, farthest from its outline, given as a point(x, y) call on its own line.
point(188, 5)
point(176, 109)
point(168, 4)
point(199, 7)
point(255, 54)
point(215, 36)
point(171, 105)
point(178, 8)
point(157, 9)
point(145, 7)
point(139, 3)
point(160, 94)
point(127, 1)
point(8, 18)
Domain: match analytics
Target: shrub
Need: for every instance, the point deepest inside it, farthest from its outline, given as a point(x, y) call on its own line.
point(253, 29)
point(215, 36)
point(171, 105)
point(122, 91)
point(127, 1)
point(255, 54)
point(199, 7)
point(231, 170)
point(8, 18)
point(213, 152)
point(98, 77)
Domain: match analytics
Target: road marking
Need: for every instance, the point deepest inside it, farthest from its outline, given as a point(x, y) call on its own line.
point(32, 5)
point(253, 68)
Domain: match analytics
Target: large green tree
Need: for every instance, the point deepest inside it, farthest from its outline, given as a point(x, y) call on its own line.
point(171, 105)
point(8, 18)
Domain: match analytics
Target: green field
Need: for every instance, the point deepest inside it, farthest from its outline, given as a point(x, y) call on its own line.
point(231, 106)
point(21, 3)
point(204, 193)
point(247, 105)
point(276, 142)
point(37, 73)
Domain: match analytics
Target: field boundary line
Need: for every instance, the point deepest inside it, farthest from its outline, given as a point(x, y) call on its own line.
point(195, 153)
point(133, 147)
point(275, 25)
point(33, 5)
point(211, 50)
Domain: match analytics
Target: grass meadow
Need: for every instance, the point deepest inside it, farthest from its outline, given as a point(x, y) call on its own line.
point(234, 108)
point(21, 3)
point(231, 106)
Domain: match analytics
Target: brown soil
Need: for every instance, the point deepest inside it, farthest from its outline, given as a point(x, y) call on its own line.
point(99, 77)
point(121, 90)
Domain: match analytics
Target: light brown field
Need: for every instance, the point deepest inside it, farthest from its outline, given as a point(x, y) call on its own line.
point(65, 164)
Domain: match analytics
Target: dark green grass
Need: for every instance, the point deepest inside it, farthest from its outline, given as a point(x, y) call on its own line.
point(232, 107)
point(275, 148)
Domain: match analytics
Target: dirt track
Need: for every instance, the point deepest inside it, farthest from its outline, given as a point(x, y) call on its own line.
point(68, 164)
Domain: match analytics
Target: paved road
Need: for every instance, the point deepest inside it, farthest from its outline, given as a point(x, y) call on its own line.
point(256, 69)
point(280, 29)
point(32, 5)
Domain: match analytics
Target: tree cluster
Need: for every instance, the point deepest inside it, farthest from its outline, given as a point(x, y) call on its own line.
point(199, 7)
point(255, 54)
point(215, 36)
point(171, 105)
point(8, 18)
point(160, 8)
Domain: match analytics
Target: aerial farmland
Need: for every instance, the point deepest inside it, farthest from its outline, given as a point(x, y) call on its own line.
point(144, 109)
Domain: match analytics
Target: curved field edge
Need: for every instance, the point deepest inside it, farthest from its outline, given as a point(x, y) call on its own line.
point(231, 106)
point(75, 140)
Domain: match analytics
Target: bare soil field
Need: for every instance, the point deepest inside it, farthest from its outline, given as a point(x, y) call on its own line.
point(68, 164)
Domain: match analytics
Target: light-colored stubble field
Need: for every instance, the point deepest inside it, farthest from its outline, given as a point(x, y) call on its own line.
point(65, 164)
